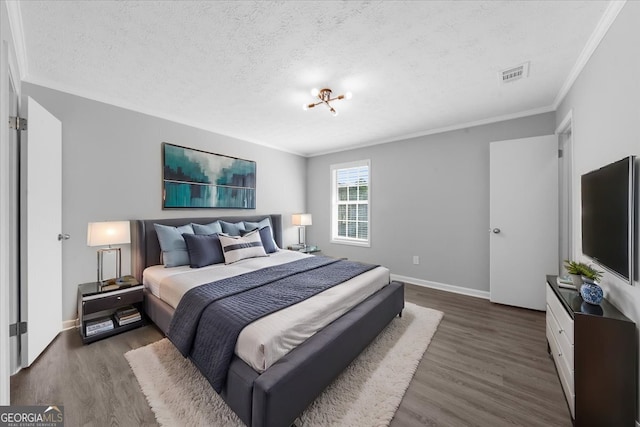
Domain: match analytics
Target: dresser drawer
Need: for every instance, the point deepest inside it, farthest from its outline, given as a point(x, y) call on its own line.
point(565, 322)
point(562, 340)
point(113, 300)
point(565, 375)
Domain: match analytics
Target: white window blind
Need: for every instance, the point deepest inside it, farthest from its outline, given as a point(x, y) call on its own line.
point(351, 186)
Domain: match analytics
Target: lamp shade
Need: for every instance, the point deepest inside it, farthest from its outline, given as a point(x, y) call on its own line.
point(301, 219)
point(108, 233)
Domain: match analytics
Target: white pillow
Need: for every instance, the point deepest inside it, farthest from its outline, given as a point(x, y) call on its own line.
point(236, 248)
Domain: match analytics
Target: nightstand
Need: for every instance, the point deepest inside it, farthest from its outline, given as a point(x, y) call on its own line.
point(305, 249)
point(100, 305)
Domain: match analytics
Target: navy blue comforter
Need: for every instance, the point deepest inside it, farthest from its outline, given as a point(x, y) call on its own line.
point(209, 318)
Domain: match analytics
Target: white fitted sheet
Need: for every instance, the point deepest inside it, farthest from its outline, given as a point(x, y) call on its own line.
point(266, 340)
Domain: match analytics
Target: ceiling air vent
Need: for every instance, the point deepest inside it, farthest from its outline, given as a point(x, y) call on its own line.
point(514, 73)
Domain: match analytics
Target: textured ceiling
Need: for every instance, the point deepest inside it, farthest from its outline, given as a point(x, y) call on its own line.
point(245, 69)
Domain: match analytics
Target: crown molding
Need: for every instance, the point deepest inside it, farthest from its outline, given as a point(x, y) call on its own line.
point(17, 32)
point(605, 22)
point(608, 17)
point(434, 131)
point(180, 120)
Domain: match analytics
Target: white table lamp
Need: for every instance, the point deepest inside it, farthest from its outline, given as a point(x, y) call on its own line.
point(301, 220)
point(106, 234)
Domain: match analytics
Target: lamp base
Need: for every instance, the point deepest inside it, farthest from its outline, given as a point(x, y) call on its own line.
point(100, 269)
point(302, 236)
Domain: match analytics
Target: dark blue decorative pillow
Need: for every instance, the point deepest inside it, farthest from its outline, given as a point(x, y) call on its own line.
point(232, 229)
point(266, 236)
point(267, 240)
point(203, 249)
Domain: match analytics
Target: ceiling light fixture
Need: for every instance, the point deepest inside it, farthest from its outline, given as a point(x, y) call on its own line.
point(325, 97)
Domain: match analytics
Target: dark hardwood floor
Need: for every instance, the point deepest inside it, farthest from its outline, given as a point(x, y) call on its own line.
point(487, 365)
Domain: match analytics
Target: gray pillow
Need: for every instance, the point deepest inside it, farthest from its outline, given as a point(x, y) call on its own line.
point(231, 228)
point(259, 225)
point(172, 244)
point(203, 250)
point(207, 229)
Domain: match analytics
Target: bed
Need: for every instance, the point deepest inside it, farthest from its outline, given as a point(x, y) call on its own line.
point(276, 396)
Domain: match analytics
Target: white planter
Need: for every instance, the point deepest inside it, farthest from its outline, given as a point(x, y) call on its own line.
point(577, 280)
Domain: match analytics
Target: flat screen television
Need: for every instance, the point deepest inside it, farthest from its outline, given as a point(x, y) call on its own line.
point(608, 216)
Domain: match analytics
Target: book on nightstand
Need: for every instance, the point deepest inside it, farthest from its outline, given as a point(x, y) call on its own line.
point(127, 315)
point(97, 326)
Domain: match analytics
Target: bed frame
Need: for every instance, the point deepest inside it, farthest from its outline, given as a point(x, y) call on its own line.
point(279, 395)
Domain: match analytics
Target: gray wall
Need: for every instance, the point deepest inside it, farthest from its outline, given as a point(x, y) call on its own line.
point(429, 197)
point(111, 163)
point(606, 127)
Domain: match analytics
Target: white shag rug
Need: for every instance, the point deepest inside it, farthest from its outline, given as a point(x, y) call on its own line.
point(366, 394)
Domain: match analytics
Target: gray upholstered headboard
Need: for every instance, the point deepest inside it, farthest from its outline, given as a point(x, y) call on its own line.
point(145, 248)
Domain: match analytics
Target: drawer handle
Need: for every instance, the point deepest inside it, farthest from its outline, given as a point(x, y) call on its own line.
point(560, 331)
point(119, 298)
point(559, 354)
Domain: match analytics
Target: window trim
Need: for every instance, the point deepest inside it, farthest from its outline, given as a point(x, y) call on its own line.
point(334, 205)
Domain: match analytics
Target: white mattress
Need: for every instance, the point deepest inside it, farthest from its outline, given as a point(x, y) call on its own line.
point(266, 340)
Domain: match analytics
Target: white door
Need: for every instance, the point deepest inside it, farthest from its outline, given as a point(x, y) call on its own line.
point(41, 223)
point(523, 219)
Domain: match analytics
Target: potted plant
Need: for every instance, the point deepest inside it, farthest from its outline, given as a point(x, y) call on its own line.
point(590, 274)
point(575, 269)
point(590, 291)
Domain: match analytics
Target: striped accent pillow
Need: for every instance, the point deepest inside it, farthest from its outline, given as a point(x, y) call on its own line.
point(236, 248)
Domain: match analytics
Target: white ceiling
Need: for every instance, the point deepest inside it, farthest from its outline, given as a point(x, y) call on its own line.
point(245, 69)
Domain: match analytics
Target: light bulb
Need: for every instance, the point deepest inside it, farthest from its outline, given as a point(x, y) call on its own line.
point(348, 95)
point(334, 112)
point(305, 107)
point(315, 92)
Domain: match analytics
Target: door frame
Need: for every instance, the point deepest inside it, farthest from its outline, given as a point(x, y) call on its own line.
point(14, 230)
point(566, 135)
point(5, 358)
point(10, 70)
point(7, 74)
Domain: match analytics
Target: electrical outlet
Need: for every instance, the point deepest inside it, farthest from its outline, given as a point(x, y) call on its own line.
point(416, 260)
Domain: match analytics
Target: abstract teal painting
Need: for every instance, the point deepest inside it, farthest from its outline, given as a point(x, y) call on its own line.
point(197, 179)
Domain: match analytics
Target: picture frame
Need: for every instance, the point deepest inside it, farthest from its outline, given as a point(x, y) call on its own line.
point(197, 179)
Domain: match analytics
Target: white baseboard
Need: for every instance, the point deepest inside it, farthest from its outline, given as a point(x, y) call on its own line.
point(69, 324)
point(443, 287)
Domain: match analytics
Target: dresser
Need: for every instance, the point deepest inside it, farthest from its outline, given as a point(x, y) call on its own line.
point(594, 349)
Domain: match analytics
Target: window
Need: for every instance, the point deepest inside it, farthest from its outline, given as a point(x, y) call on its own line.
point(350, 194)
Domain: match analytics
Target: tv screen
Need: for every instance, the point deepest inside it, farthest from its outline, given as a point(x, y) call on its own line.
point(607, 217)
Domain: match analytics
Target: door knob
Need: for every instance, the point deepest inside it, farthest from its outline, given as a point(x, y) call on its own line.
point(496, 230)
point(62, 237)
